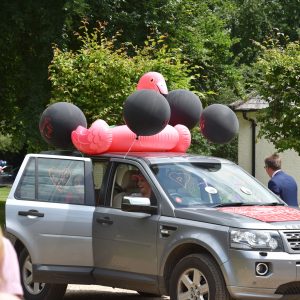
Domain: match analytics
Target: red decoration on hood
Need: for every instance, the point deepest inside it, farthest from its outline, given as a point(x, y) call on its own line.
point(265, 213)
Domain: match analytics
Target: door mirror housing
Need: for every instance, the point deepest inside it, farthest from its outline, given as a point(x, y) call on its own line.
point(138, 204)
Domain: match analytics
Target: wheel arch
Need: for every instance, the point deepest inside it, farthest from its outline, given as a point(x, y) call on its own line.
point(19, 246)
point(17, 243)
point(177, 254)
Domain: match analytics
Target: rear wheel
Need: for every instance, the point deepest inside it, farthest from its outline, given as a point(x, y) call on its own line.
point(197, 277)
point(37, 290)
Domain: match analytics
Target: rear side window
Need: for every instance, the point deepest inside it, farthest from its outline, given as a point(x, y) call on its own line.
point(56, 180)
point(26, 187)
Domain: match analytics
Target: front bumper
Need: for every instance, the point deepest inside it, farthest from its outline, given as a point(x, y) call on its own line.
point(282, 279)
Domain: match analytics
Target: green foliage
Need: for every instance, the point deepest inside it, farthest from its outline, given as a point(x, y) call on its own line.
point(278, 71)
point(98, 77)
point(6, 144)
point(27, 31)
point(254, 20)
point(28, 28)
point(206, 46)
point(200, 28)
point(202, 146)
point(134, 18)
point(4, 191)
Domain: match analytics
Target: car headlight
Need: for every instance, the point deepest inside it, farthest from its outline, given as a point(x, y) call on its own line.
point(255, 240)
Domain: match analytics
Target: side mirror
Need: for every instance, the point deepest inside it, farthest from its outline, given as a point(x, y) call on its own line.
point(138, 204)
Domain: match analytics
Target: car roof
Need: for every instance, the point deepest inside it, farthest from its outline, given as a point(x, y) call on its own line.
point(149, 157)
point(164, 157)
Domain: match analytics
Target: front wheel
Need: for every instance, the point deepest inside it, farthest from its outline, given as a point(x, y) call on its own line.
point(197, 276)
point(37, 290)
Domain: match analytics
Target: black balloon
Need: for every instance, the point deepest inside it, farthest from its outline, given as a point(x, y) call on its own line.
point(146, 112)
point(57, 123)
point(186, 108)
point(219, 124)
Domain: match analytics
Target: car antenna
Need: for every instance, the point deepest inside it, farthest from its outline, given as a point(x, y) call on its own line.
point(136, 139)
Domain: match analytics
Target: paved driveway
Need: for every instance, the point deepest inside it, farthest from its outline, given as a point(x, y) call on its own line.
point(96, 292)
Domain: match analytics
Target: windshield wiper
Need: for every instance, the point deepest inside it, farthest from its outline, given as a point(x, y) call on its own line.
point(230, 204)
point(270, 204)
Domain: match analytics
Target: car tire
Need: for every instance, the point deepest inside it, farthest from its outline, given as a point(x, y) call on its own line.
point(197, 276)
point(36, 290)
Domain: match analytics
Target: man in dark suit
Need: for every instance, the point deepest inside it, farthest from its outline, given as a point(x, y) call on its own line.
point(281, 183)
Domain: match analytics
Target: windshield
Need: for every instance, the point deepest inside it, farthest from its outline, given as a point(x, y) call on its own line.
point(211, 184)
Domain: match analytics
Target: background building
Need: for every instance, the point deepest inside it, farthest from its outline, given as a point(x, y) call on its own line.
point(252, 151)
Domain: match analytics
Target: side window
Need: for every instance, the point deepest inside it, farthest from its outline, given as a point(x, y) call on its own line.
point(99, 170)
point(130, 181)
point(124, 183)
point(60, 180)
point(26, 187)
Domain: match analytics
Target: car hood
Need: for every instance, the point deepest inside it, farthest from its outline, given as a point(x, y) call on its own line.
point(255, 217)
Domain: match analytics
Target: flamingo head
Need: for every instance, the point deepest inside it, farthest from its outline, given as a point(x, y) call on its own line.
point(153, 81)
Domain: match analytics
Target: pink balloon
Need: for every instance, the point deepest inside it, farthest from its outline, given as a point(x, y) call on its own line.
point(101, 138)
point(153, 81)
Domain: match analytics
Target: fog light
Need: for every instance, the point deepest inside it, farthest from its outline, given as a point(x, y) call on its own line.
point(261, 269)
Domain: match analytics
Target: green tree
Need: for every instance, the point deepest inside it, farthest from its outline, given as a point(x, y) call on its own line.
point(28, 29)
point(254, 20)
point(199, 28)
point(204, 147)
point(278, 71)
point(98, 77)
point(6, 143)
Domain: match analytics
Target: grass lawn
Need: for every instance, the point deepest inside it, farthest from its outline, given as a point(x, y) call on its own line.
point(3, 195)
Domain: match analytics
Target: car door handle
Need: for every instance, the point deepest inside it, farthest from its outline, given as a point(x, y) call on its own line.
point(105, 220)
point(31, 212)
point(166, 230)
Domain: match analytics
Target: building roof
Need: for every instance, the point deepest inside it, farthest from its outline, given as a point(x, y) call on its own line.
point(252, 104)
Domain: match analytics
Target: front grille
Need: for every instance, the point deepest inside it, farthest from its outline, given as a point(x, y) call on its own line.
point(291, 288)
point(292, 241)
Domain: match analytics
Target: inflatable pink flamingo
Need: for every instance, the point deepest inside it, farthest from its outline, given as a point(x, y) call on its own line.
point(100, 138)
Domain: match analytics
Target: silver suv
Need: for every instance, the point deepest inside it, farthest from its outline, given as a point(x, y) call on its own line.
point(208, 231)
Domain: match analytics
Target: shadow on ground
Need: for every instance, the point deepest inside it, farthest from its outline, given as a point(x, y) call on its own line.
point(102, 293)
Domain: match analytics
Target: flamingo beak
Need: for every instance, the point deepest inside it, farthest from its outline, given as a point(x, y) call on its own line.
point(162, 87)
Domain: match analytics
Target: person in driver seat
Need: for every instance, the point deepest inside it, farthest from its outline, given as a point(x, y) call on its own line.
point(143, 185)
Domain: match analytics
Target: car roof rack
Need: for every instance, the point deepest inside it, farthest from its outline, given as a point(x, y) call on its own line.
point(63, 152)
